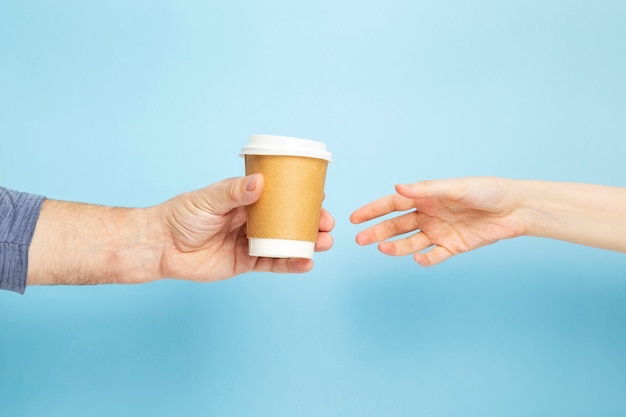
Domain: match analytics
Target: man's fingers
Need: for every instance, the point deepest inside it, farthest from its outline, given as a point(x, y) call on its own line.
point(299, 266)
point(283, 266)
point(324, 242)
point(327, 222)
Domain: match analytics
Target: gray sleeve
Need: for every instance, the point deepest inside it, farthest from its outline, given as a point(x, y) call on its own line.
point(18, 216)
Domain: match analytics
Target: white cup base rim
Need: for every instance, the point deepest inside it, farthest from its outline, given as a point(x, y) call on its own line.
point(280, 248)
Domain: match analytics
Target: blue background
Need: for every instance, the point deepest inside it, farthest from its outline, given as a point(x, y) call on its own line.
point(131, 102)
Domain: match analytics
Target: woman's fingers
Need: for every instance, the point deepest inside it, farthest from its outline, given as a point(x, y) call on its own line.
point(401, 247)
point(389, 228)
point(434, 256)
point(380, 207)
point(442, 189)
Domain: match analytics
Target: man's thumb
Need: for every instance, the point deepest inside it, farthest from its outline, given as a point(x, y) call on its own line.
point(237, 192)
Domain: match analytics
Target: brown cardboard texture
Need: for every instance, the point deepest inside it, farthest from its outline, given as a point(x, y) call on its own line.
point(291, 204)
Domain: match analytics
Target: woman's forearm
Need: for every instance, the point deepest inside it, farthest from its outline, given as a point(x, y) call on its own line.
point(592, 215)
point(79, 244)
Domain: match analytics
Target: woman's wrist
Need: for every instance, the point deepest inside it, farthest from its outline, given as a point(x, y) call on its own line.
point(586, 214)
point(531, 205)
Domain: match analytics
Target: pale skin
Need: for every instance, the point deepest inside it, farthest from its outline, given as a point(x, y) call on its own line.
point(197, 236)
point(447, 217)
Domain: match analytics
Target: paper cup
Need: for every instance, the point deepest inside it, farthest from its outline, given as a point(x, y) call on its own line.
point(284, 222)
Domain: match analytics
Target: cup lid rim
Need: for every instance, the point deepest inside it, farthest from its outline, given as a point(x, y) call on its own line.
point(285, 145)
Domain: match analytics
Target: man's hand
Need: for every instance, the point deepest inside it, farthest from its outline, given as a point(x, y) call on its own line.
point(205, 233)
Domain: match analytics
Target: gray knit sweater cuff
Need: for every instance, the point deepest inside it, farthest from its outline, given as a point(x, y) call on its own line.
point(18, 217)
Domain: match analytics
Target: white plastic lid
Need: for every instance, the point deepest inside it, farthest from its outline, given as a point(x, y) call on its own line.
point(283, 145)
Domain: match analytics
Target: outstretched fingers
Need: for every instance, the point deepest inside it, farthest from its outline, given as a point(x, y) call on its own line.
point(401, 247)
point(381, 207)
point(416, 244)
point(388, 228)
point(434, 256)
point(447, 189)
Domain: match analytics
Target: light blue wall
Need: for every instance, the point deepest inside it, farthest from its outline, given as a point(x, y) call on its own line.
point(130, 102)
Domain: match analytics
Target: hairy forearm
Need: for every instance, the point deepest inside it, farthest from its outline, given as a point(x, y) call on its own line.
point(592, 215)
point(83, 244)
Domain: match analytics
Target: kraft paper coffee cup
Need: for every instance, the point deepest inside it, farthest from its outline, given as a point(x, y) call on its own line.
point(284, 222)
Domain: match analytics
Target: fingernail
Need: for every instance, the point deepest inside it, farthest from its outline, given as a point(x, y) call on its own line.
point(251, 182)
